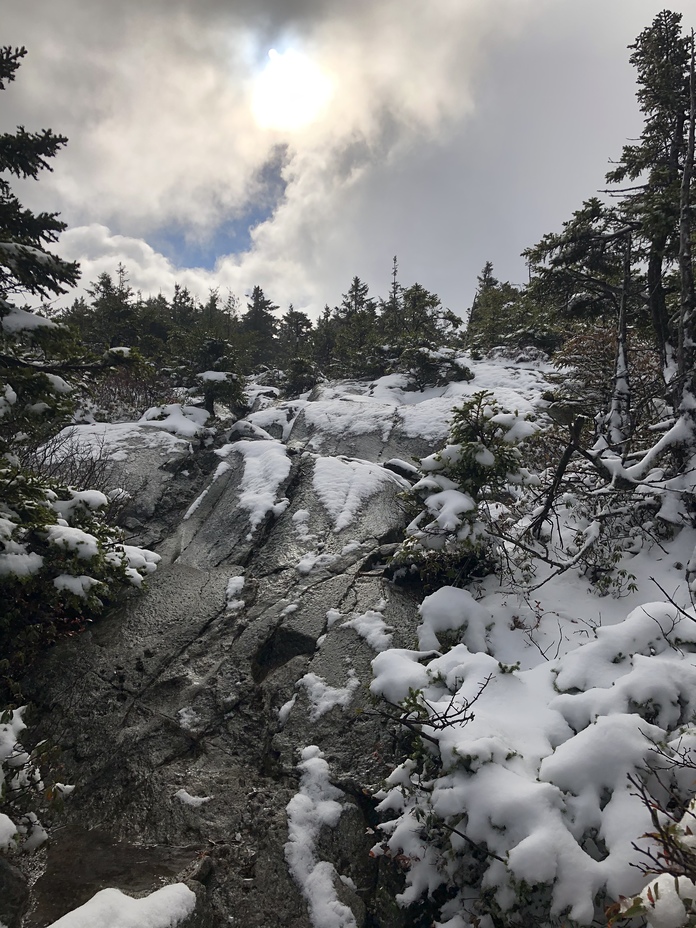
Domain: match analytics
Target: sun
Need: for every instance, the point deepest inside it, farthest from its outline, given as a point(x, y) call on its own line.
point(290, 93)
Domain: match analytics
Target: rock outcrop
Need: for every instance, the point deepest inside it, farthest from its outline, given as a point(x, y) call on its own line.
point(182, 717)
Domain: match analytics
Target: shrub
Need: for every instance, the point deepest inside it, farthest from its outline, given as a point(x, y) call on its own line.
point(467, 493)
point(60, 564)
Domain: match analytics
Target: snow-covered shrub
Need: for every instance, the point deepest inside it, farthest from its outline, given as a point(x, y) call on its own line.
point(522, 811)
point(60, 563)
point(468, 494)
point(24, 796)
point(223, 387)
point(34, 402)
point(669, 856)
point(425, 367)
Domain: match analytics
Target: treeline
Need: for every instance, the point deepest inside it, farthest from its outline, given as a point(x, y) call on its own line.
point(362, 336)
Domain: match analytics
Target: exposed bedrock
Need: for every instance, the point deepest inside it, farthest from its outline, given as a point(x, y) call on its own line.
point(182, 716)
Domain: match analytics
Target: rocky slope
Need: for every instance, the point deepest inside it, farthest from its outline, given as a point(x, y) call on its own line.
point(183, 716)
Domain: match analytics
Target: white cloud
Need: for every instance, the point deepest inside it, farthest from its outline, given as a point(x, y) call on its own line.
point(458, 130)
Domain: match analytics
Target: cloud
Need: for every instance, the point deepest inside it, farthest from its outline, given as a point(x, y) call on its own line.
point(458, 130)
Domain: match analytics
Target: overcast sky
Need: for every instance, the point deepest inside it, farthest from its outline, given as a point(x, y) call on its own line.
point(446, 132)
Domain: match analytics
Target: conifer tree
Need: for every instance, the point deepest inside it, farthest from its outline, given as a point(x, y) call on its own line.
point(660, 55)
point(259, 325)
point(59, 559)
point(294, 335)
point(391, 310)
point(34, 351)
point(356, 318)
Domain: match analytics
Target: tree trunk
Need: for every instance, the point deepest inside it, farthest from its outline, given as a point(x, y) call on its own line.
point(686, 349)
point(656, 299)
point(618, 424)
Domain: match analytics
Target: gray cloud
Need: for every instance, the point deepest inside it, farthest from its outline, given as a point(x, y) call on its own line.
point(459, 130)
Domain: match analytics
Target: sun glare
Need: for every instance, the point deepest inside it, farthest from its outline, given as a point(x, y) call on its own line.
point(290, 93)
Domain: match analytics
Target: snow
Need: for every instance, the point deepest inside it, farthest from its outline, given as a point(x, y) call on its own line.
point(314, 807)
point(343, 485)
point(19, 776)
point(323, 697)
point(215, 376)
point(141, 562)
point(266, 467)
point(351, 408)
point(233, 603)
point(114, 439)
point(8, 831)
point(182, 421)
point(349, 415)
point(372, 627)
point(188, 800)
point(7, 400)
point(282, 416)
point(286, 709)
point(57, 383)
point(110, 908)
point(19, 563)
point(189, 719)
point(315, 561)
point(78, 586)
point(72, 539)
point(19, 320)
point(451, 609)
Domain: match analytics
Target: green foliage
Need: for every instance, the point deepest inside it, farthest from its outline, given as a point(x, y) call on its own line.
point(301, 375)
point(426, 367)
point(503, 315)
point(259, 325)
point(579, 270)
point(467, 495)
point(60, 561)
point(487, 456)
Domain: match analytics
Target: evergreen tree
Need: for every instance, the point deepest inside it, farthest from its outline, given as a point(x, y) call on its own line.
point(578, 272)
point(485, 280)
point(294, 335)
point(324, 342)
point(184, 309)
point(114, 309)
point(154, 327)
point(25, 264)
point(34, 351)
point(660, 55)
point(356, 318)
point(59, 559)
point(391, 310)
point(259, 325)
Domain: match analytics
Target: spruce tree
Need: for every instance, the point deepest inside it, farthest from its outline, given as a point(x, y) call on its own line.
point(356, 318)
point(660, 56)
point(59, 559)
point(33, 350)
point(259, 326)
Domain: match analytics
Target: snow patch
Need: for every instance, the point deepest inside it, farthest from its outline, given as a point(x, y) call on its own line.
point(313, 808)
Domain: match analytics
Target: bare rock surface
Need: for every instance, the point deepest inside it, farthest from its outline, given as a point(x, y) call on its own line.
point(182, 716)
